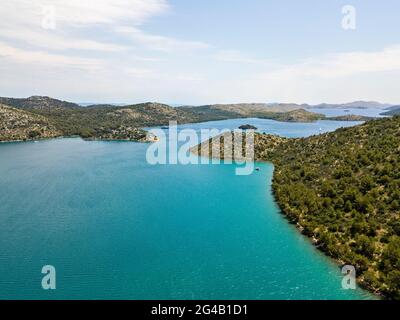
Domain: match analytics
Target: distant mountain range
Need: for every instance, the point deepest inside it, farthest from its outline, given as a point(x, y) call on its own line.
point(293, 106)
point(392, 111)
point(44, 102)
point(355, 105)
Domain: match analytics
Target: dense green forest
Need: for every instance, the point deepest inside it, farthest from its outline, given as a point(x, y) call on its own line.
point(342, 189)
point(19, 125)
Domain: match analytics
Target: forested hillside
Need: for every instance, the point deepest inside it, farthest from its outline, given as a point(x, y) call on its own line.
point(343, 190)
point(22, 125)
point(279, 112)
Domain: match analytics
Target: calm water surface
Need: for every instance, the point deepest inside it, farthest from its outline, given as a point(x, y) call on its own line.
point(332, 112)
point(116, 227)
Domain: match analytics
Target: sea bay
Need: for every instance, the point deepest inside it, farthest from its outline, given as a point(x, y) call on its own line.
point(117, 227)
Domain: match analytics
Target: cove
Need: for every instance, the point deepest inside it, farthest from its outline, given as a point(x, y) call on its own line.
point(115, 227)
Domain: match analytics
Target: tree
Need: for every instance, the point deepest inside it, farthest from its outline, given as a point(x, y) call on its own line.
point(365, 246)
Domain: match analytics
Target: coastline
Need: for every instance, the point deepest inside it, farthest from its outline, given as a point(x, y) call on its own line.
point(313, 241)
point(299, 228)
point(155, 139)
point(346, 118)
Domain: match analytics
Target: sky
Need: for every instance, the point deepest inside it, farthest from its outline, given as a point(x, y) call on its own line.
point(201, 51)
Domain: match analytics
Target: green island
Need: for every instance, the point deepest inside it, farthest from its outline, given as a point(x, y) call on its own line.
point(40, 117)
point(341, 189)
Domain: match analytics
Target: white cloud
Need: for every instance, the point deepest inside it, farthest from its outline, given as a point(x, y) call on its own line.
point(158, 75)
point(340, 65)
point(22, 21)
point(56, 41)
point(336, 77)
point(83, 25)
point(106, 11)
point(238, 57)
point(160, 43)
point(83, 12)
point(9, 54)
point(141, 73)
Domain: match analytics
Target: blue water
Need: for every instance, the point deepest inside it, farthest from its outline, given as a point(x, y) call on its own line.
point(333, 112)
point(285, 129)
point(116, 227)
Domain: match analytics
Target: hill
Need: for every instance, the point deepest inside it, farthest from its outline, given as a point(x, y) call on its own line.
point(354, 105)
point(123, 122)
point(38, 103)
point(350, 117)
point(22, 125)
point(342, 189)
point(392, 111)
point(101, 121)
point(279, 112)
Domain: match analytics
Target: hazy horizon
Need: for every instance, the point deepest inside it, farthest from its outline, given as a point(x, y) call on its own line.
point(112, 102)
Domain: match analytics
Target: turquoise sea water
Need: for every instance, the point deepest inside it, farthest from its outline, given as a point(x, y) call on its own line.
point(116, 227)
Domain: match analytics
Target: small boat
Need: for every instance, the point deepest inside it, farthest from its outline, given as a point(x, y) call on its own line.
point(258, 169)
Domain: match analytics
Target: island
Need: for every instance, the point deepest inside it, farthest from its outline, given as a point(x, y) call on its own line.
point(247, 127)
point(351, 117)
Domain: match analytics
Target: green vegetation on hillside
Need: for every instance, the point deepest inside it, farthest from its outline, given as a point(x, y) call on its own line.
point(343, 189)
point(20, 125)
point(350, 117)
point(95, 122)
point(101, 121)
point(278, 112)
point(124, 122)
point(38, 103)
